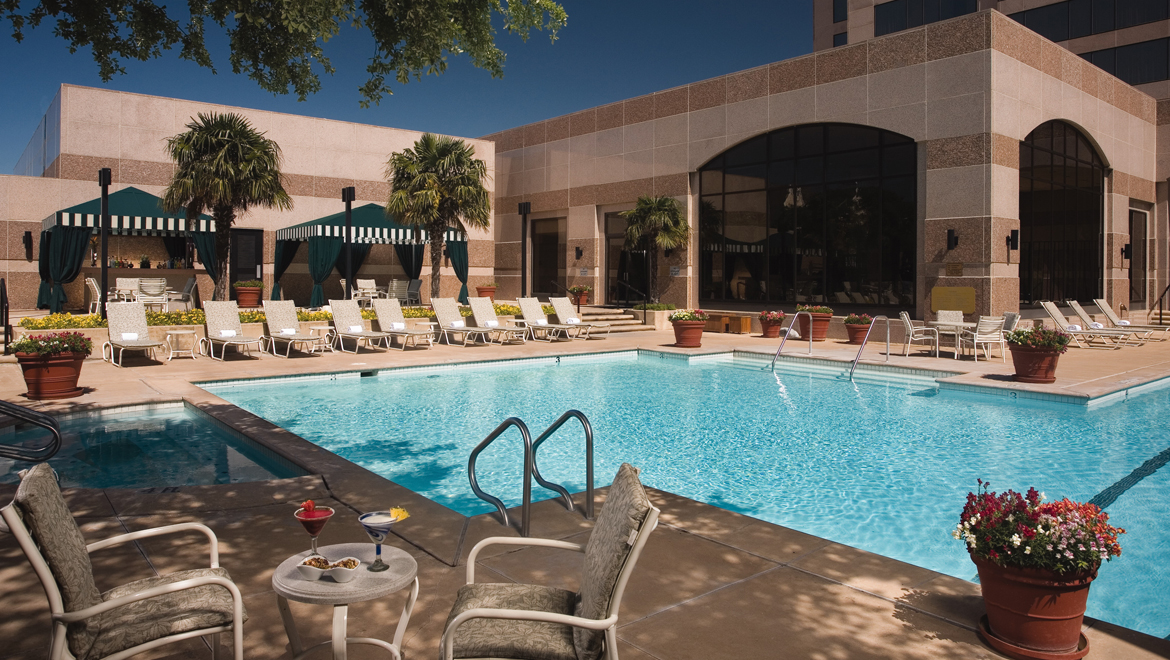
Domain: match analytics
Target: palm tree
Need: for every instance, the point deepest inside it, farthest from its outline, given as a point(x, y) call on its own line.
point(224, 165)
point(656, 223)
point(437, 185)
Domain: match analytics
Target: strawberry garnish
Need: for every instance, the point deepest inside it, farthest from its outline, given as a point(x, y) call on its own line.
point(308, 505)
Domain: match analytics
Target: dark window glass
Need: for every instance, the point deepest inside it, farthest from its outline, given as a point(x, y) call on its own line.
point(852, 166)
point(1137, 257)
point(1138, 12)
point(810, 170)
point(1050, 22)
point(902, 159)
point(748, 177)
point(810, 140)
point(1019, 17)
point(1106, 60)
point(931, 10)
point(889, 17)
point(780, 173)
point(712, 181)
point(1080, 18)
point(953, 8)
point(840, 39)
point(849, 137)
point(1103, 18)
point(840, 10)
point(783, 144)
point(754, 150)
point(913, 13)
point(1143, 62)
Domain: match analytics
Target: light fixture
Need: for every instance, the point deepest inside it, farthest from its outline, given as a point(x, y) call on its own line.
point(952, 239)
point(579, 252)
point(1126, 251)
point(1013, 241)
point(28, 241)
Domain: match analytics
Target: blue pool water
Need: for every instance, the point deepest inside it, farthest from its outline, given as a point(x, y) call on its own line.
point(160, 448)
point(883, 464)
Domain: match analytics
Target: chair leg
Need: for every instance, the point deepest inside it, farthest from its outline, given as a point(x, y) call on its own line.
point(216, 649)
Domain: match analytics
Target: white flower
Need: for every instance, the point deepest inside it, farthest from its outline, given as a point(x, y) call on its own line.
point(1016, 540)
point(1042, 498)
point(1027, 549)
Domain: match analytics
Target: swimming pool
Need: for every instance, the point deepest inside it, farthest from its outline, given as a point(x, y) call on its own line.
point(883, 464)
point(171, 446)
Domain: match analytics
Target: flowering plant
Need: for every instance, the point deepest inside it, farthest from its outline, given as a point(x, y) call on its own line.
point(814, 309)
point(1040, 338)
point(248, 284)
point(689, 315)
point(579, 289)
point(772, 317)
point(64, 342)
point(1024, 531)
point(853, 319)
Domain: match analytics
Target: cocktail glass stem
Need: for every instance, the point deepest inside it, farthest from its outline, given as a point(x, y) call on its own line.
point(378, 564)
point(314, 540)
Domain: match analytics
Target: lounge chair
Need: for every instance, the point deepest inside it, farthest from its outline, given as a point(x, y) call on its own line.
point(484, 313)
point(1108, 338)
point(348, 324)
point(125, 288)
point(391, 322)
point(1010, 321)
point(186, 296)
point(1136, 334)
point(568, 316)
point(451, 322)
point(413, 292)
point(917, 333)
point(536, 320)
point(988, 332)
point(369, 290)
point(95, 295)
point(533, 621)
point(1120, 324)
point(396, 289)
point(125, 620)
point(283, 326)
point(128, 331)
point(152, 292)
point(223, 328)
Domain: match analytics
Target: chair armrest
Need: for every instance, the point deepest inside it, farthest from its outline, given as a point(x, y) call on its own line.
point(183, 585)
point(447, 649)
point(160, 531)
point(509, 540)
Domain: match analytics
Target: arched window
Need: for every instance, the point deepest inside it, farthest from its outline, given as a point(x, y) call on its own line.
point(1061, 206)
point(823, 213)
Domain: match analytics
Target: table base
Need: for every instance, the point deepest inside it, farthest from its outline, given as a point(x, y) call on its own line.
point(340, 641)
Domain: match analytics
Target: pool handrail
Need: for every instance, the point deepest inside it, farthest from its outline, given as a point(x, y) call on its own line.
point(36, 418)
point(526, 505)
point(861, 349)
point(788, 330)
point(563, 493)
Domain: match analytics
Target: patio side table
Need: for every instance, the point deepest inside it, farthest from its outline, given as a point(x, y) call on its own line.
point(325, 331)
point(365, 585)
point(175, 346)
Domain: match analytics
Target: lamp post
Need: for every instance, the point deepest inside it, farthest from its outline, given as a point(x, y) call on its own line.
point(524, 209)
point(347, 196)
point(104, 177)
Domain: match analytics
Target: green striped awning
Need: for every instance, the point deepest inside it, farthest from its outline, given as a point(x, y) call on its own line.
point(370, 225)
point(133, 212)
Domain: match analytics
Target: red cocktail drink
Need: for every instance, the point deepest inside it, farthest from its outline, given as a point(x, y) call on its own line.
point(313, 520)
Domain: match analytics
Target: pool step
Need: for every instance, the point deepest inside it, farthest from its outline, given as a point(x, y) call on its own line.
point(617, 321)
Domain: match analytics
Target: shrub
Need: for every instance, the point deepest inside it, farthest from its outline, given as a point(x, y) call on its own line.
point(248, 284)
point(62, 322)
point(193, 317)
point(507, 310)
point(1040, 338)
point(655, 307)
point(54, 344)
point(418, 313)
point(772, 317)
point(321, 315)
point(689, 315)
point(814, 309)
point(853, 319)
point(579, 289)
point(252, 316)
point(489, 284)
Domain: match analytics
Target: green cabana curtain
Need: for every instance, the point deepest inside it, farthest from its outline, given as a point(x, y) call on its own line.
point(360, 252)
point(176, 246)
point(205, 246)
point(322, 256)
point(43, 267)
point(67, 249)
point(286, 251)
point(457, 250)
point(411, 258)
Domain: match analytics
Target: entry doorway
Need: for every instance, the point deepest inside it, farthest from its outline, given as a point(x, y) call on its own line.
point(1138, 265)
point(623, 269)
point(246, 257)
point(548, 257)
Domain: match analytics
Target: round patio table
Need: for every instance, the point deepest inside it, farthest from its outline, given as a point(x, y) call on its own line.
point(365, 585)
point(957, 326)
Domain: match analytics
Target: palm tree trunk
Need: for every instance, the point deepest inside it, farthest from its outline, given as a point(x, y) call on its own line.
point(225, 217)
point(438, 235)
point(652, 250)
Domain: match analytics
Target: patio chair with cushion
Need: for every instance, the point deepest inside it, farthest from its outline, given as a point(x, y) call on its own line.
point(484, 314)
point(534, 622)
point(1010, 321)
point(283, 326)
point(348, 324)
point(452, 323)
point(126, 620)
point(568, 316)
point(95, 295)
point(988, 332)
point(368, 290)
point(1137, 335)
point(944, 316)
point(1120, 324)
point(397, 290)
point(391, 322)
point(414, 292)
point(917, 333)
point(1084, 338)
point(128, 331)
point(152, 292)
point(187, 295)
point(223, 328)
point(533, 316)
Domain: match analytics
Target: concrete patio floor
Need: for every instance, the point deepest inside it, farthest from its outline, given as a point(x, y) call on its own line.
point(711, 584)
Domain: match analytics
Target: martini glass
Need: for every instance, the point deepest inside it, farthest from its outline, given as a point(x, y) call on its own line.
point(377, 525)
point(314, 521)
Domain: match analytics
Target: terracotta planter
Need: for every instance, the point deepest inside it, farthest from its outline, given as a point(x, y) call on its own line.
point(688, 334)
point(1034, 365)
point(771, 329)
point(486, 292)
point(580, 298)
point(248, 296)
point(820, 326)
point(856, 332)
point(51, 376)
point(1034, 613)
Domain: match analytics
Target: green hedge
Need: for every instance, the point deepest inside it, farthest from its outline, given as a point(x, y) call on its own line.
point(196, 317)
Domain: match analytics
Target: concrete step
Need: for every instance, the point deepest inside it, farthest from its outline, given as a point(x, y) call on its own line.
point(637, 327)
point(602, 318)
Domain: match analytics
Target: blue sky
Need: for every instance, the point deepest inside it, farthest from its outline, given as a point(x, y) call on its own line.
point(610, 50)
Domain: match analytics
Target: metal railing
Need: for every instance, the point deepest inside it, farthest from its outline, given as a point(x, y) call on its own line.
point(1160, 299)
point(526, 505)
point(557, 488)
point(645, 299)
point(4, 316)
point(788, 330)
point(868, 330)
point(31, 454)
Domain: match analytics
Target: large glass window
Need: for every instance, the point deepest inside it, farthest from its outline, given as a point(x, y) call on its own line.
point(1078, 18)
point(840, 10)
point(823, 213)
point(898, 15)
point(1061, 202)
point(1137, 256)
point(1136, 64)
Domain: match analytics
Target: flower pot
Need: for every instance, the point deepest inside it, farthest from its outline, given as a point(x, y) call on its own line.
point(688, 334)
point(51, 376)
point(1034, 613)
point(580, 298)
point(771, 329)
point(1034, 365)
point(486, 292)
point(820, 325)
point(856, 332)
point(248, 296)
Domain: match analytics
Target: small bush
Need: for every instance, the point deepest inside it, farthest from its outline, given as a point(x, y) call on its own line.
point(506, 310)
point(321, 315)
point(248, 284)
point(55, 344)
point(62, 322)
point(656, 307)
point(814, 309)
point(853, 319)
point(418, 313)
point(193, 317)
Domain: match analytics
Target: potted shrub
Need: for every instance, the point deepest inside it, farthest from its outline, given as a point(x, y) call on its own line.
point(821, 316)
point(52, 363)
point(688, 327)
point(857, 326)
point(1036, 561)
point(1035, 352)
point(248, 292)
point(144, 261)
point(580, 294)
point(770, 323)
point(487, 290)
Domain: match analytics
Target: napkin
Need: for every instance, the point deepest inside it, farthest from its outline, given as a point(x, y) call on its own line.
point(288, 331)
point(541, 321)
point(355, 328)
point(572, 320)
point(457, 324)
point(129, 336)
point(1074, 327)
point(1123, 323)
point(492, 324)
point(397, 326)
point(227, 333)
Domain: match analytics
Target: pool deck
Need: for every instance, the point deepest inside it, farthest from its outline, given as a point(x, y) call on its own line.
point(711, 584)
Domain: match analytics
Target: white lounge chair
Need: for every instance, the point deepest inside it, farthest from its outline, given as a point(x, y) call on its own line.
point(1136, 334)
point(391, 322)
point(128, 331)
point(988, 332)
point(483, 311)
point(451, 323)
point(568, 316)
point(534, 318)
point(533, 621)
point(1108, 338)
point(917, 333)
point(223, 328)
point(1120, 324)
point(283, 326)
point(348, 324)
point(126, 620)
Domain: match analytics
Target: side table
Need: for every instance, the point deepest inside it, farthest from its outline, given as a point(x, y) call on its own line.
point(173, 343)
point(289, 585)
point(325, 330)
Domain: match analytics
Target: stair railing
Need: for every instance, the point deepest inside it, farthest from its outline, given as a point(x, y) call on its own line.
point(4, 316)
point(868, 330)
point(1160, 299)
point(645, 300)
point(557, 488)
point(31, 454)
point(788, 331)
point(526, 503)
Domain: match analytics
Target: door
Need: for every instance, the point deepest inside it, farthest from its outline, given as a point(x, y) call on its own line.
point(548, 258)
point(1137, 259)
point(245, 257)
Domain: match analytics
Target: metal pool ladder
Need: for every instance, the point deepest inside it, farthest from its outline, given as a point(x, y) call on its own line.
point(31, 454)
point(868, 330)
point(531, 470)
point(788, 330)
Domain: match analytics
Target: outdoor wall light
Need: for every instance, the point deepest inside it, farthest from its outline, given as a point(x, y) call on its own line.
point(952, 239)
point(28, 242)
point(1126, 251)
point(579, 252)
point(1013, 241)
